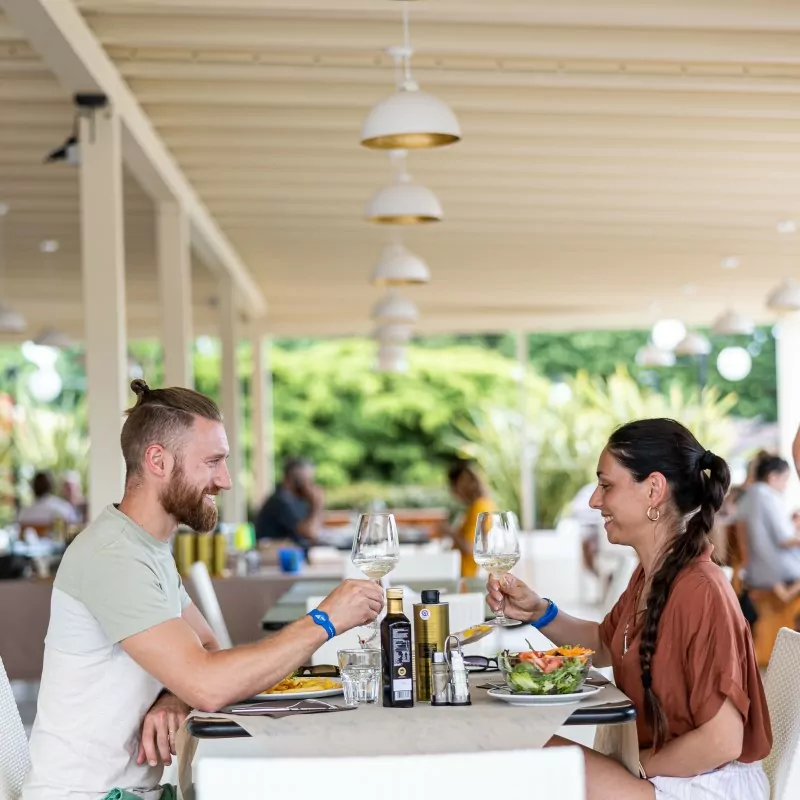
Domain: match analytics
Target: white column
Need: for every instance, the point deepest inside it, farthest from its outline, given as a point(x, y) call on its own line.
point(175, 283)
point(103, 259)
point(788, 366)
point(234, 507)
point(527, 495)
point(263, 434)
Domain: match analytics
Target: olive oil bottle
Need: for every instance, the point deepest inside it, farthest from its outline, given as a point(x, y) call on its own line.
point(398, 686)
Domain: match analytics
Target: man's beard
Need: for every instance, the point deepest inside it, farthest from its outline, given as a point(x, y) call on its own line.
point(188, 504)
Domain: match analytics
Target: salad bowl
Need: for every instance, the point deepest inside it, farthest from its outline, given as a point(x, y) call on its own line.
point(561, 670)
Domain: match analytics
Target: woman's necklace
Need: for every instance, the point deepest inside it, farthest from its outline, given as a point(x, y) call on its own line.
point(636, 612)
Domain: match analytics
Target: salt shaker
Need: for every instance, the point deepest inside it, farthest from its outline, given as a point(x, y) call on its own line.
point(459, 680)
point(440, 680)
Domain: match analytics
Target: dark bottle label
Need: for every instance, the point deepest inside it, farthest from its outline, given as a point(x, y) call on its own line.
point(398, 685)
point(401, 664)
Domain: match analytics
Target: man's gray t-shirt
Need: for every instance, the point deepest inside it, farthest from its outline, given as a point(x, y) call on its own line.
point(115, 580)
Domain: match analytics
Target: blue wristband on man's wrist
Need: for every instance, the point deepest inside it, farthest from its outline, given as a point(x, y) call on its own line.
point(549, 615)
point(324, 621)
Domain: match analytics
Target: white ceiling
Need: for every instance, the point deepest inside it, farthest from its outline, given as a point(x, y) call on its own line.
point(613, 154)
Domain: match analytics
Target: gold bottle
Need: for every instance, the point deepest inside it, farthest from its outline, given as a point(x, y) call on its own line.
point(431, 628)
point(205, 550)
point(184, 551)
point(220, 554)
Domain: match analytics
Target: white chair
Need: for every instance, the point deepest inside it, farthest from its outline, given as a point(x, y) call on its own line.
point(15, 758)
point(209, 604)
point(782, 686)
point(616, 564)
point(419, 566)
point(556, 770)
point(551, 561)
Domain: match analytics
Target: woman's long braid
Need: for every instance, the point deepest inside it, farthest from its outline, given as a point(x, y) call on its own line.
point(684, 548)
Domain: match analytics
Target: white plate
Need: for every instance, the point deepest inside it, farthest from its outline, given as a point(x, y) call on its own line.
point(303, 695)
point(517, 699)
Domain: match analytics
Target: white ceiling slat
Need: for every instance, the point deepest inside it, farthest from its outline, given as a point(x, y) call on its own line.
point(712, 15)
point(447, 37)
point(613, 77)
point(532, 100)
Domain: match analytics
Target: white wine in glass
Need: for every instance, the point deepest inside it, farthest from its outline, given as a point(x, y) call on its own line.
point(497, 550)
point(376, 551)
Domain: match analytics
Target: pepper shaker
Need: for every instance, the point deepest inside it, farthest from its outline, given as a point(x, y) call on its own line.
point(440, 680)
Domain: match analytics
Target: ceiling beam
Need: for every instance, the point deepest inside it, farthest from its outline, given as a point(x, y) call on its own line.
point(608, 76)
point(714, 15)
point(280, 98)
point(58, 32)
point(454, 36)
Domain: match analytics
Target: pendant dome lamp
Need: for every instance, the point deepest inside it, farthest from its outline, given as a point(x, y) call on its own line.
point(652, 356)
point(391, 358)
point(732, 323)
point(693, 344)
point(399, 267)
point(409, 118)
point(393, 333)
point(785, 297)
point(403, 202)
point(393, 308)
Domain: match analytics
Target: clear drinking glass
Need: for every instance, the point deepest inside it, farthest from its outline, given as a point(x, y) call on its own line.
point(376, 551)
point(361, 676)
point(497, 550)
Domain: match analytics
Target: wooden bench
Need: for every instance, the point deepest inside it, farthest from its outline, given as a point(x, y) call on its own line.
point(428, 519)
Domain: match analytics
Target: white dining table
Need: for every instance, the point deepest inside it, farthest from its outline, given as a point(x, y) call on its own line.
point(487, 724)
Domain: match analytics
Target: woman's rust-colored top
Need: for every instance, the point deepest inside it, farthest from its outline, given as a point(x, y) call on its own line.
point(704, 654)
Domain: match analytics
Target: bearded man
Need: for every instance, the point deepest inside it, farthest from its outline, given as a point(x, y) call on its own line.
point(127, 654)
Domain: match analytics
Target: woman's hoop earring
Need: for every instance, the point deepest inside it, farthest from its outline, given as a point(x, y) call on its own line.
point(650, 512)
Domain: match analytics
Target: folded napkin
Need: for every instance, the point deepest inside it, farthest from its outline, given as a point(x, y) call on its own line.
point(268, 709)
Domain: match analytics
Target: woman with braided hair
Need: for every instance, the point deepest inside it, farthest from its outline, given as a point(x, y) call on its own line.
point(676, 639)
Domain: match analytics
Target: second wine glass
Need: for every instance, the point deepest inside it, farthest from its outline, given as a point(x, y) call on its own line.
point(497, 550)
point(376, 551)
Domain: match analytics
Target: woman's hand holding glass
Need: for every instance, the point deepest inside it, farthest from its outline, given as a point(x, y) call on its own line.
point(515, 598)
point(497, 550)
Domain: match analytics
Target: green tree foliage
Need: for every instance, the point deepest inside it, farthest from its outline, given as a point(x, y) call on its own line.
point(363, 426)
point(566, 437)
point(373, 434)
point(599, 353)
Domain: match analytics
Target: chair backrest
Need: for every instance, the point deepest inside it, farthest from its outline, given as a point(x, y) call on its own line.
point(556, 770)
point(419, 566)
point(551, 560)
point(782, 687)
point(15, 758)
point(209, 604)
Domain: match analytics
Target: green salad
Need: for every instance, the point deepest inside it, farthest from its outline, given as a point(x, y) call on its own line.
point(559, 671)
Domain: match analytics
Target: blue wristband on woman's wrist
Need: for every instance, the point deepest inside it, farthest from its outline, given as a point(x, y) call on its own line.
point(549, 615)
point(324, 621)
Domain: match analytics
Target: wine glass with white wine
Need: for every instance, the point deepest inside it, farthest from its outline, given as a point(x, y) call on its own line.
point(376, 551)
point(497, 550)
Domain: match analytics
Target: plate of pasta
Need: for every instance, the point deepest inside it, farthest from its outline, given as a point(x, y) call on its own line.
point(304, 688)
